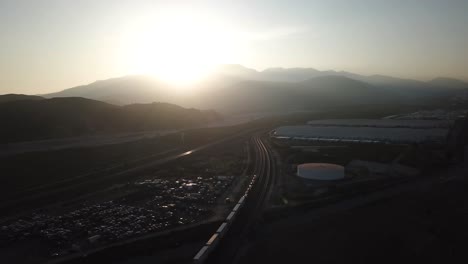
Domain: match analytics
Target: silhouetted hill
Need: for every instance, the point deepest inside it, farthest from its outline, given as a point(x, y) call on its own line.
point(121, 91)
point(18, 97)
point(71, 116)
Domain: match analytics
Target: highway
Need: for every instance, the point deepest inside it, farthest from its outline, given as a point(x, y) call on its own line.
point(250, 216)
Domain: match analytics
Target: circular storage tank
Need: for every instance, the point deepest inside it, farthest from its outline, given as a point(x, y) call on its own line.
point(320, 171)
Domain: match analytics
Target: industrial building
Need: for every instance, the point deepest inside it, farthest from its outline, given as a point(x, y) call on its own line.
point(362, 134)
point(439, 140)
point(389, 123)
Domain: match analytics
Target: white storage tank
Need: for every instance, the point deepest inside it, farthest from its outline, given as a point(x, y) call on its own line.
point(320, 171)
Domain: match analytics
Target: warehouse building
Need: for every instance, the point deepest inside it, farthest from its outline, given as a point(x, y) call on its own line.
point(388, 123)
point(361, 134)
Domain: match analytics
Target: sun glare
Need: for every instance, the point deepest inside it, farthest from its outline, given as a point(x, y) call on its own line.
point(179, 47)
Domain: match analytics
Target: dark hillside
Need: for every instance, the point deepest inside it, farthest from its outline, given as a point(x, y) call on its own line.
point(73, 116)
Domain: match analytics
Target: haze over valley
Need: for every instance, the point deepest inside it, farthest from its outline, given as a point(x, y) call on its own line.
point(215, 131)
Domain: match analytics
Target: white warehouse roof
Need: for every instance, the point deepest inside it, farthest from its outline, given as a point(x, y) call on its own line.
point(390, 123)
point(374, 134)
point(320, 171)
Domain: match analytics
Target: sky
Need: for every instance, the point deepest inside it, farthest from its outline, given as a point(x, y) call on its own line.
point(51, 45)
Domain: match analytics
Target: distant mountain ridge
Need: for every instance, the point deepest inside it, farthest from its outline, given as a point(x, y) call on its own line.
point(18, 97)
point(121, 90)
point(237, 88)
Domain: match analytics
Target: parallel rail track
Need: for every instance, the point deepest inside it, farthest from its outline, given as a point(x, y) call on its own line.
point(251, 215)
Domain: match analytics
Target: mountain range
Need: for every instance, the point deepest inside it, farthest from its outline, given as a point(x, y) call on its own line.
point(234, 88)
point(128, 103)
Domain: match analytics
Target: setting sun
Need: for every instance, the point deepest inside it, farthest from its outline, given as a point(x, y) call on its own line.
point(180, 48)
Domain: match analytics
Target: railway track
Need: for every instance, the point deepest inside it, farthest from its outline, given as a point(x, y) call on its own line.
point(250, 217)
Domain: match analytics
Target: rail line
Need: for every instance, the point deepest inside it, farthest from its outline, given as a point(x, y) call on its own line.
point(226, 243)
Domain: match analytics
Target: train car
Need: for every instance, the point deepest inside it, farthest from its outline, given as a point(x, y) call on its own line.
point(230, 217)
point(222, 229)
point(201, 256)
point(213, 241)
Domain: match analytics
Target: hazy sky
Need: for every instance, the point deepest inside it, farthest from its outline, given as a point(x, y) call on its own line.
point(50, 45)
